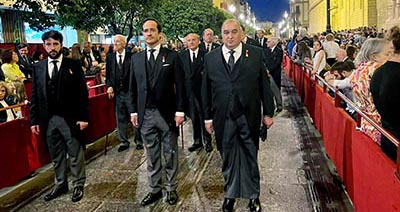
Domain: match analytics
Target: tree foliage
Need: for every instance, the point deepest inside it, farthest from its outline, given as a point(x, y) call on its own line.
point(179, 17)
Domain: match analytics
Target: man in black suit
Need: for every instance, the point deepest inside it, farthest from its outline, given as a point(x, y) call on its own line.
point(235, 86)
point(25, 63)
point(261, 39)
point(207, 45)
point(117, 80)
point(192, 63)
point(274, 57)
point(59, 110)
point(157, 90)
point(246, 39)
point(92, 57)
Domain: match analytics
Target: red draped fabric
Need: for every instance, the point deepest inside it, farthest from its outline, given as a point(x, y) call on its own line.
point(369, 175)
point(22, 152)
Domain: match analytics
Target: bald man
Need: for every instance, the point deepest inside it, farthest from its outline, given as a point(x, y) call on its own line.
point(117, 80)
point(192, 62)
point(235, 88)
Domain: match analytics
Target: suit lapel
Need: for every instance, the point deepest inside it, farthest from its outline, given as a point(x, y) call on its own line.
point(221, 60)
point(161, 57)
point(43, 73)
point(141, 70)
point(242, 59)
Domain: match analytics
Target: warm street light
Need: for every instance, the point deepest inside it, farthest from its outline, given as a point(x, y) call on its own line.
point(285, 15)
point(241, 16)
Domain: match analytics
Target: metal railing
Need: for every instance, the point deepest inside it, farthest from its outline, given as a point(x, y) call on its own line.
point(340, 96)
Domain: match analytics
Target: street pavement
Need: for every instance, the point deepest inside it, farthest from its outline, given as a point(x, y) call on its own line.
point(295, 174)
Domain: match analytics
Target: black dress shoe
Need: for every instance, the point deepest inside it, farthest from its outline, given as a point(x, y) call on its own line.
point(228, 204)
point(123, 148)
point(195, 147)
point(255, 205)
point(77, 194)
point(172, 197)
point(209, 148)
point(139, 146)
point(56, 192)
point(151, 197)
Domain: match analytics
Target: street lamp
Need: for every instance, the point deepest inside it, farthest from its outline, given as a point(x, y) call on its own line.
point(328, 16)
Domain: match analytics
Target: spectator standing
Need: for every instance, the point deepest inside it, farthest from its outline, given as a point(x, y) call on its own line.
point(373, 53)
point(385, 89)
point(5, 115)
point(25, 62)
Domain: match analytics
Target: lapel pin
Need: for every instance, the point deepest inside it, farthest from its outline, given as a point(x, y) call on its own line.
point(247, 53)
point(163, 59)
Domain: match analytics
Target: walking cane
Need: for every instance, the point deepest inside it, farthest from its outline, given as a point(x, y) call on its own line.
point(183, 143)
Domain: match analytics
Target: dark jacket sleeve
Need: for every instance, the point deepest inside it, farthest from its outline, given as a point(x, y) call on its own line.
point(83, 94)
point(109, 81)
point(266, 93)
point(132, 87)
point(179, 85)
point(206, 91)
point(34, 107)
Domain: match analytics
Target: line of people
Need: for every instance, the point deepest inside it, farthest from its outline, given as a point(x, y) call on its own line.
point(225, 90)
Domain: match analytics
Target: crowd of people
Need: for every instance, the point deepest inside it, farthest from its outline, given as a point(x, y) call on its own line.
point(220, 85)
point(226, 88)
point(362, 64)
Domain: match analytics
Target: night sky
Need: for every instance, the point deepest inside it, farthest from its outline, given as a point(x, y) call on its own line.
point(269, 10)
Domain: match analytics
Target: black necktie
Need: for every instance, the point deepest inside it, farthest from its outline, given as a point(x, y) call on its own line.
point(194, 57)
point(208, 47)
point(152, 60)
point(231, 61)
point(55, 70)
point(120, 62)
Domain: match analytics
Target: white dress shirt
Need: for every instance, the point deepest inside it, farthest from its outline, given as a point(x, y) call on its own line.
point(50, 64)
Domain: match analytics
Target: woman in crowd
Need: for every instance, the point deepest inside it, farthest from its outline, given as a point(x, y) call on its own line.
point(303, 52)
point(385, 89)
point(100, 78)
point(76, 55)
point(10, 67)
point(373, 53)
point(330, 47)
point(5, 115)
point(319, 59)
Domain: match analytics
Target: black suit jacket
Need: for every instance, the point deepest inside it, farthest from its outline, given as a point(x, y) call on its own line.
point(203, 47)
point(168, 87)
point(26, 66)
point(251, 41)
point(274, 63)
point(3, 114)
point(72, 94)
point(193, 73)
point(249, 86)
point(263, 44)
point(112, 68)
point(96, 55)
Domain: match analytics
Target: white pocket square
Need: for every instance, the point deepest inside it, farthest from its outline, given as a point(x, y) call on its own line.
point(165, 64)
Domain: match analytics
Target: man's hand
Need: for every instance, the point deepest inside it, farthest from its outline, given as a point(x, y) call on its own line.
point(110, 92)
point(268, 121)
point(179, 120)
point(35, 129)
point(82, 124)
point(134, 120)
point(209, 128)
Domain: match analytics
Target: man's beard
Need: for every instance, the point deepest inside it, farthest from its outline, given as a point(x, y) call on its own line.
point(55, 57)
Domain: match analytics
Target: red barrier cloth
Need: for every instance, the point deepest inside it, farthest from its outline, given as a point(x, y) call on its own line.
point(319, 94)
point(13, 152)
point(101, 117)
point(309, 94)
point(376, 188)
point(28, 89)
